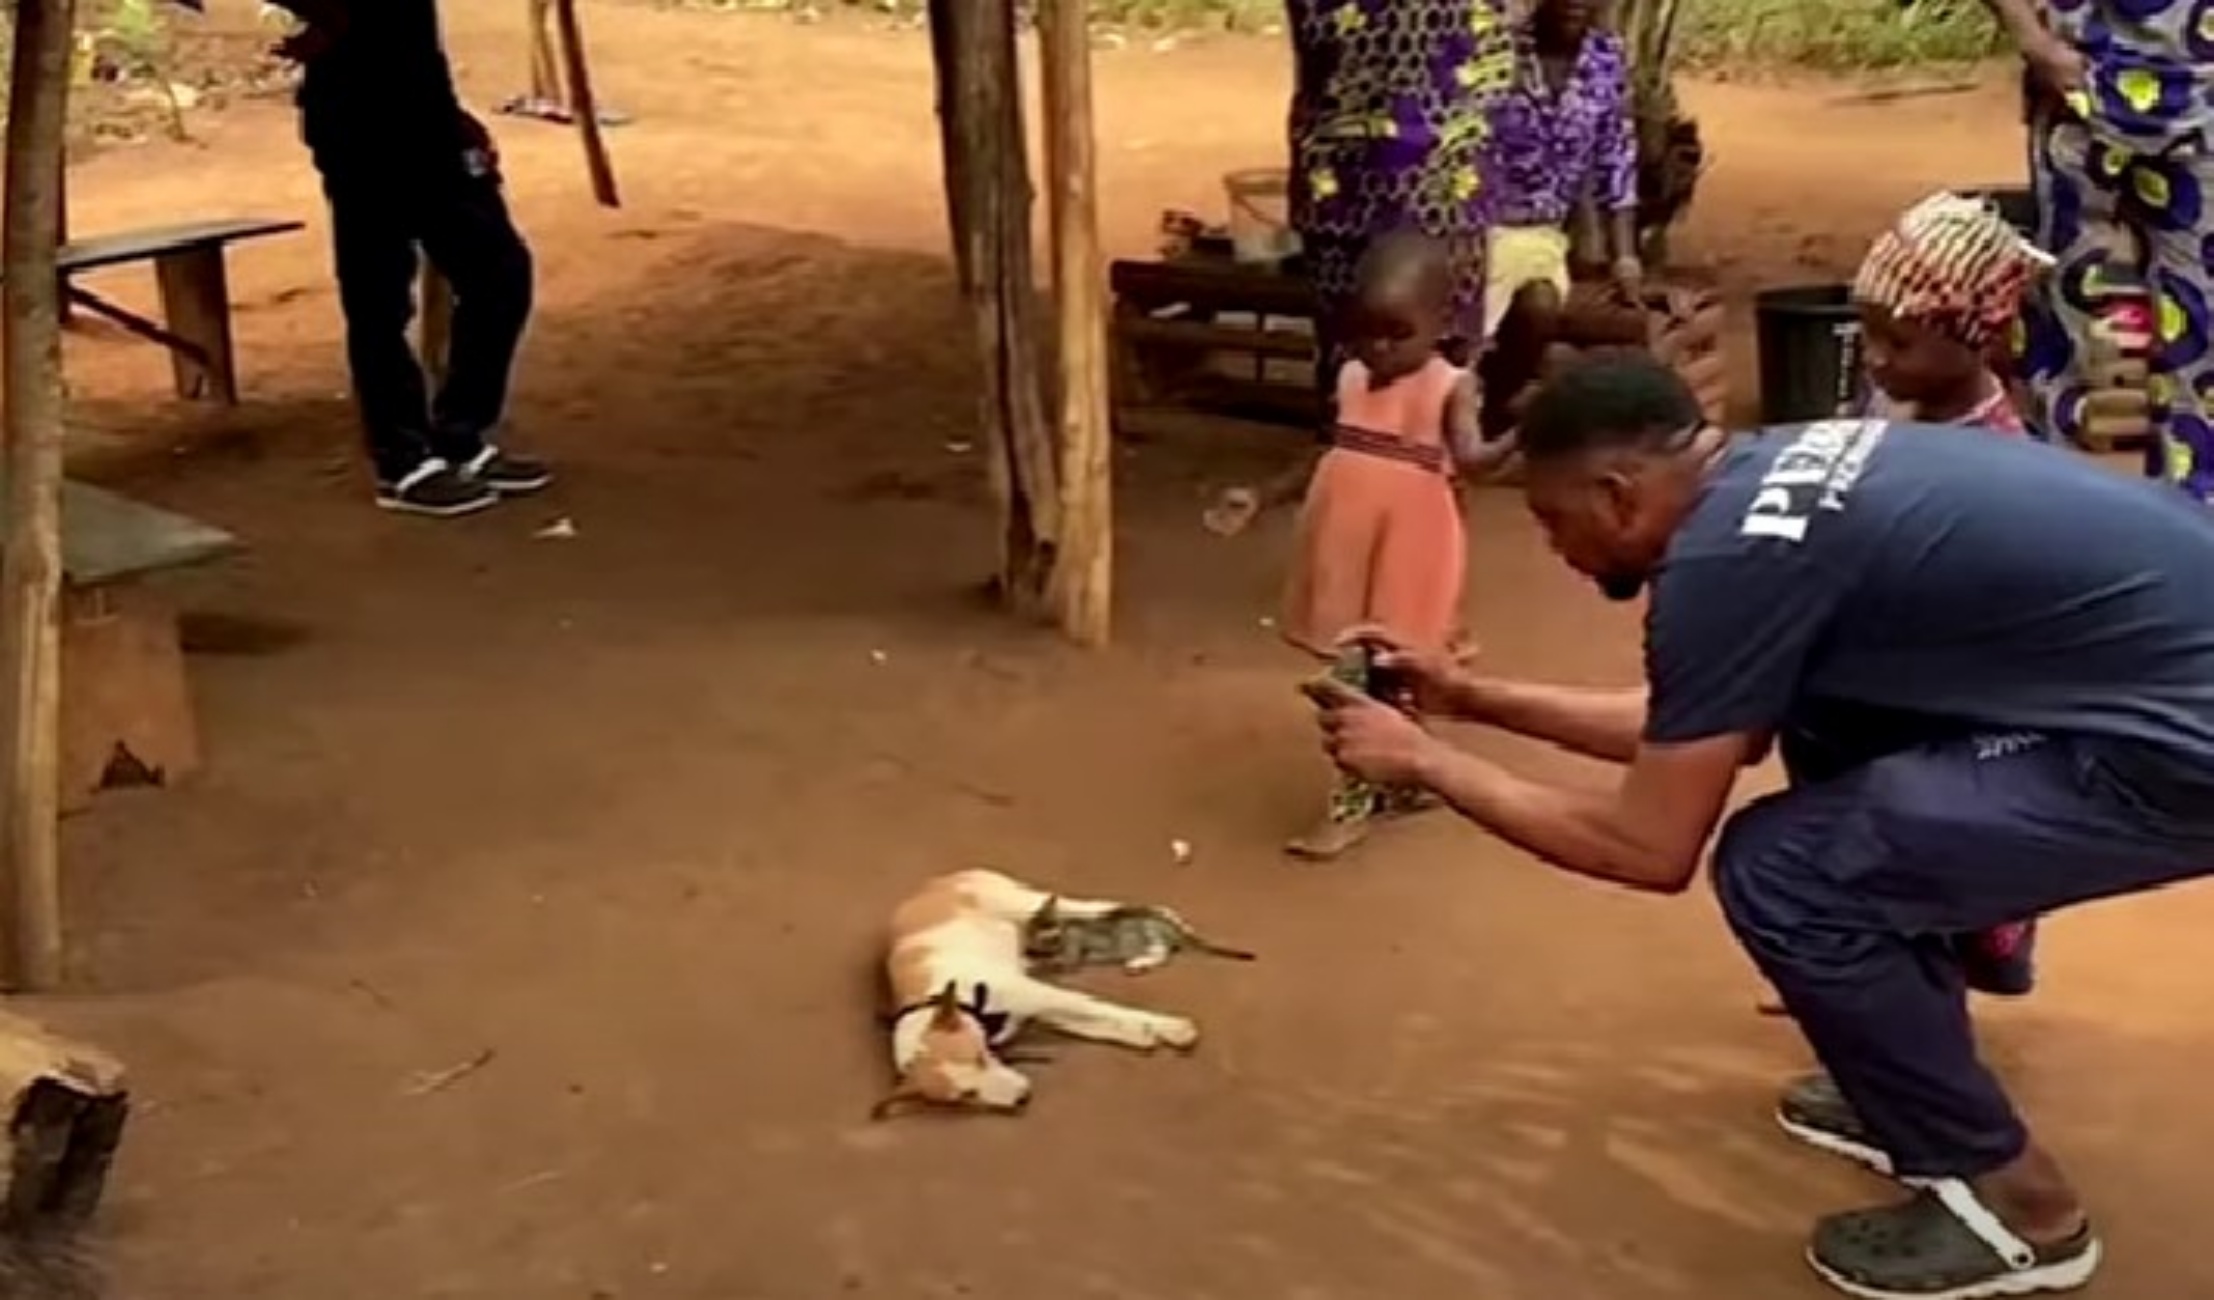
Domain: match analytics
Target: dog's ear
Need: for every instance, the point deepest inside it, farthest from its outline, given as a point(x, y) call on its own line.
point(946, 1008)
point(1049, 911)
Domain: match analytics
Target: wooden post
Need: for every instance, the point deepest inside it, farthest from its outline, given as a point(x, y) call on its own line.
point(31, 571)
point(1083, 571)
point(545, 78)
point(584, 105)
point(434, 323)
point(954, 161)
point(988, 155)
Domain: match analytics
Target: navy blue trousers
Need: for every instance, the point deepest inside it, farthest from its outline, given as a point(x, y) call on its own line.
point(1852, 889)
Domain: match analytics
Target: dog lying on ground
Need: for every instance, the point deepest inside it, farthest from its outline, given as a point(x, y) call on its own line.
point(963, 990)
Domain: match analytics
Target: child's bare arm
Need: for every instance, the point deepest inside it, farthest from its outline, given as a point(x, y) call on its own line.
point(1464, 432)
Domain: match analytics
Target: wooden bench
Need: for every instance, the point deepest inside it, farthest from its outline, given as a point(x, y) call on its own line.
point(1208, 332)
point(126, 707)
point(195, 293)
point(1171, 335)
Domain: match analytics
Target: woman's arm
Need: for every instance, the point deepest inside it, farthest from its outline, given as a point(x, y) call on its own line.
point(1614, 161)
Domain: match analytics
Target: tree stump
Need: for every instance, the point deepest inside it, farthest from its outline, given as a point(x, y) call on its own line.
point(66, 1104)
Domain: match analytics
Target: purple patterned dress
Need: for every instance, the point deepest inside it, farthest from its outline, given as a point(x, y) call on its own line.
point(1389, 126)
point(1552, 149)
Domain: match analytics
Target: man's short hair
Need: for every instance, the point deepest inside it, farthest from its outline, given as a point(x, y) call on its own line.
point(1624, 401)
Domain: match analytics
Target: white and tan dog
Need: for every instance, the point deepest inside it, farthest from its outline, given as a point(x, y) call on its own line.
point(962, 990)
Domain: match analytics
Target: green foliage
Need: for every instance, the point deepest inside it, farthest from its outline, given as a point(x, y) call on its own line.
point(1709, 35)
point(1839, 35)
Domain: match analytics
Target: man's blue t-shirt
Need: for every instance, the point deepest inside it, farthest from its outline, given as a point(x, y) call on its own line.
point(1949, 573)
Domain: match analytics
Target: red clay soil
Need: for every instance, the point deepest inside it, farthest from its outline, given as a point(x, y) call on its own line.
point(626, 808)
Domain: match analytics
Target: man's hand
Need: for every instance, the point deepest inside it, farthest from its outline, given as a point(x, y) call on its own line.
point(1426, 680)
point(1370, 739)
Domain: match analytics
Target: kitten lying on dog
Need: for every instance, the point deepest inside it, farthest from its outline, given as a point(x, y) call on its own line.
point(963, 990)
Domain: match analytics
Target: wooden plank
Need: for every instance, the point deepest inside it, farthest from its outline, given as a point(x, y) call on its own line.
point(196, 307)
point(1198, 336)
point(1212, 284)
point(129, 246)
point(107, 537)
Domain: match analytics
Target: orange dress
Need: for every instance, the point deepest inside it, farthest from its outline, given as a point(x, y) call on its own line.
point(1380, 533)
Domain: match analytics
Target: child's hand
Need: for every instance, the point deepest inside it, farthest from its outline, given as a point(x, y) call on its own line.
point(1232, 511)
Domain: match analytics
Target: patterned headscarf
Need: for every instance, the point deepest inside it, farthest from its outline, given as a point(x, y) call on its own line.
point(1954, 265)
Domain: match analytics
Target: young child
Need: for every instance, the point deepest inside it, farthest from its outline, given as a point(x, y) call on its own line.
point(1938, 293)
point(1380, 534)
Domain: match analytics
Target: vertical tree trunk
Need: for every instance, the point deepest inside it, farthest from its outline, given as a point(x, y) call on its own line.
point(1083, 572)
point(584, 105)
point(955, 162)
point(31, 570)
point(990, 157)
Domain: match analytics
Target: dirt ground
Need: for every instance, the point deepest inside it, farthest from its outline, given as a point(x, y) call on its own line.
point(625, 808)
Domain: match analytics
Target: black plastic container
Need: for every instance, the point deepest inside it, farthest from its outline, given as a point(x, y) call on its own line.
point(2016, 203)
point(1808, 338)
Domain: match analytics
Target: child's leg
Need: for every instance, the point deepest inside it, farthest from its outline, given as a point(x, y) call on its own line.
point(1354, 802)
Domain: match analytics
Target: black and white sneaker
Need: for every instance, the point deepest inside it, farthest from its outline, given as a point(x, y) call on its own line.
point(436, 489)
point(506, 473)
point(1815, 1111)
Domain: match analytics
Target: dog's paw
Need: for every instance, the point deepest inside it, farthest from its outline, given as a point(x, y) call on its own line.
point(1176, 1032)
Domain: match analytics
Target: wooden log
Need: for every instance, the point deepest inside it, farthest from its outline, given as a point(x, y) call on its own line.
point(1084, 567)
point(31, 573)
point(584, 105)
point(65, 1104)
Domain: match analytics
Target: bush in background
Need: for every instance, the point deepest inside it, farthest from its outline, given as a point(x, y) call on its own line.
point(1716, 36)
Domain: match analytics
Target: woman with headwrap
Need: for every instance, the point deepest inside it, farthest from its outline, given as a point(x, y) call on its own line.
point(1939, 293)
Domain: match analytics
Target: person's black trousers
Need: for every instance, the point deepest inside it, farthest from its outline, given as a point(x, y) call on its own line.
point(384, 215)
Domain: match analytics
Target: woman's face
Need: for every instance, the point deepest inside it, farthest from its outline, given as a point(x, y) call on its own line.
point(1911, 362)
point(1568, 18)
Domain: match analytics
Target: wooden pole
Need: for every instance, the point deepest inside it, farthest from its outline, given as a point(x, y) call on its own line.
point(1083, 572)
point(545, 78)
point(31, 570)
point(986, 153)
point(955, 163)
point(584, 105)
point(435, 321)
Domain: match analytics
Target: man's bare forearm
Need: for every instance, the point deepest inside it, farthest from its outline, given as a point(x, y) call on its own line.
point(1595, 721)
point(1574, 830)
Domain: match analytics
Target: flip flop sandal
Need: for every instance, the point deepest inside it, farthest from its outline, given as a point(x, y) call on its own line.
point(1944, 1245)
point(1815, 1112)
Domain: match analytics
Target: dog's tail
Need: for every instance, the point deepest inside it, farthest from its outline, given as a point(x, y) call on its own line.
point(1213, 949)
